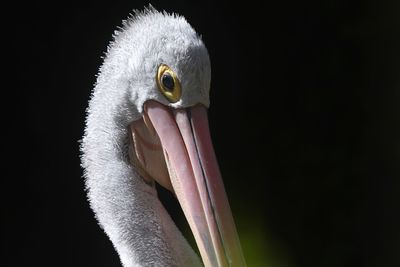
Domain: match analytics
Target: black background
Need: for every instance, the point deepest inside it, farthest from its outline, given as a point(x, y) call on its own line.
point(305, 119)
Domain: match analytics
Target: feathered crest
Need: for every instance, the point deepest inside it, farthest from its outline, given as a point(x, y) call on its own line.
point(138, 14)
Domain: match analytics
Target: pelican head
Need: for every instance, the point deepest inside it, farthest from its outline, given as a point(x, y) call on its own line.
point(146, 124)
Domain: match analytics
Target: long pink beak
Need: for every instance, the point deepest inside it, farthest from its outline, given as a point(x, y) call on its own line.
point(197, 182)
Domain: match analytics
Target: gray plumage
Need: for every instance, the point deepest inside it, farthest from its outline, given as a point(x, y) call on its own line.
point(126, 207)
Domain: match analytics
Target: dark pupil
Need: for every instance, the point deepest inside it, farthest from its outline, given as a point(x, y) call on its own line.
point(168, 81)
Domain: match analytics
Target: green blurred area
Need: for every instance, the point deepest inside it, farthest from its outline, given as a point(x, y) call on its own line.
point(260, 249)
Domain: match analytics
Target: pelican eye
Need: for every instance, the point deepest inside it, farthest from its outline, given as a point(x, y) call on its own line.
point(168, 83)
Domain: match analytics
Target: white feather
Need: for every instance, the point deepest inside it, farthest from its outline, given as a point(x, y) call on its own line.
point(126, 207)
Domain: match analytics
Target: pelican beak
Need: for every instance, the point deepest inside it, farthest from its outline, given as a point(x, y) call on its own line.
point(195, 179)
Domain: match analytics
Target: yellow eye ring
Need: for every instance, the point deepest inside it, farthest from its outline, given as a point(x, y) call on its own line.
point(168, 83)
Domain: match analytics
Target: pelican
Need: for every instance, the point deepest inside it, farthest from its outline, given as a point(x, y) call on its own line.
point(147, 123)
